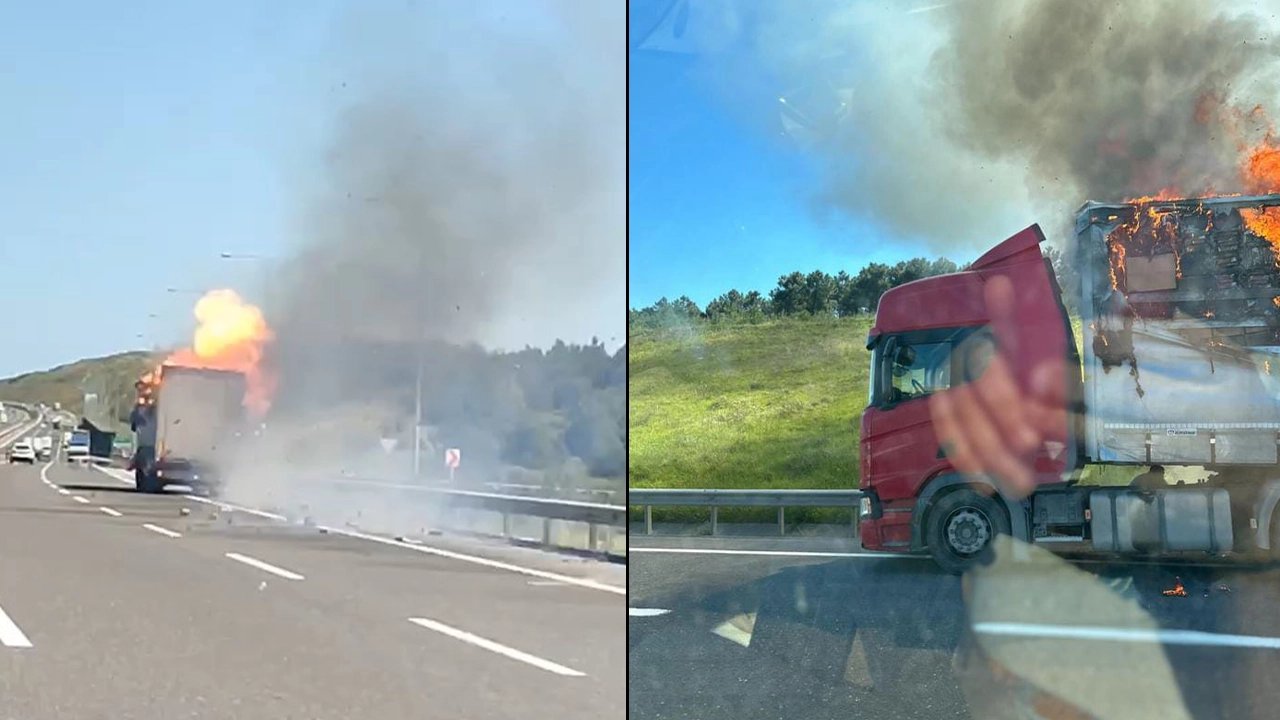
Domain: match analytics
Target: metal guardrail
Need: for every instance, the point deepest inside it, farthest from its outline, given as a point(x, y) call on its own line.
point(592, 513)
point(599, 494)
point(648, 498)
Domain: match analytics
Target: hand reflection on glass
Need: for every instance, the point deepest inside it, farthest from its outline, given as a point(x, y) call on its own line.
point(994, 426)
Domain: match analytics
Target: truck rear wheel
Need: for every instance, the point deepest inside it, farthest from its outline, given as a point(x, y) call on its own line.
point(961, 527)
point(145, 481)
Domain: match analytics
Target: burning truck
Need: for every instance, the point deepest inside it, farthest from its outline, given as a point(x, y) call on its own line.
point(197, 408)
point(188, 427)
point(1178, 365)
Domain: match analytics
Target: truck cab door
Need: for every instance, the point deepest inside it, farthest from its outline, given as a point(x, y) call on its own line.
point(899, 446)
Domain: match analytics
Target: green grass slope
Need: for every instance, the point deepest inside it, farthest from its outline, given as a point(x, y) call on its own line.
point(767, 405)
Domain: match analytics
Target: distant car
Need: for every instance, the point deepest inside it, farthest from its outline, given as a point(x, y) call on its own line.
point(22, 451)
point(77, 446)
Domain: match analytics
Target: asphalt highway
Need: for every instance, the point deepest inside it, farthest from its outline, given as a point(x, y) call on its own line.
point(115, 604)
point(770, 628)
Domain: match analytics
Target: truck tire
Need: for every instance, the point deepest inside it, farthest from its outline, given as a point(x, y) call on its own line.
point(961, 526)
point(145, 481)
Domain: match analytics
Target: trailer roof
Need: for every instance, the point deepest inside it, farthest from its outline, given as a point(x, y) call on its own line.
point(166, 369)
point(1221, 200)
point(1093, 212)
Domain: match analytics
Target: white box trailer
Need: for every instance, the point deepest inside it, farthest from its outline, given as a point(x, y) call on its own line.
point(196, 420)
point(1181, 361)
point(1180, 367)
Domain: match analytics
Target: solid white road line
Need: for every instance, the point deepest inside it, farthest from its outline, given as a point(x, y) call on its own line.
point(110, 511)
point(163, 531)
point(1129, 635)
point(10, 634)
point(267, 567)
point(499, 648)
point(240, 508)
point(121, 476)
point(566, 579)
point(11, 435)
point(82, 500)
point(646, 612)
point(776, 553)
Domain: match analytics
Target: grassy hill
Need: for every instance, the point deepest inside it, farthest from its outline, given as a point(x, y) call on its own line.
point(112, 376)
point(767, 405)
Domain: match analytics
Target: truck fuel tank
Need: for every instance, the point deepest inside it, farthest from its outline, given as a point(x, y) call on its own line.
point(1173, 520)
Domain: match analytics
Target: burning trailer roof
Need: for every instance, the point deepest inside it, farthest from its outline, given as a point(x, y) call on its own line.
point(1191, 263)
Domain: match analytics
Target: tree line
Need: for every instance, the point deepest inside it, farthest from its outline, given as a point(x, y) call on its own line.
point(820, 294)
point(801, 294)
point(559, 410)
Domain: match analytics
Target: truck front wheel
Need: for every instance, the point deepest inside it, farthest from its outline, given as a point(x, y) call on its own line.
point(961, 527)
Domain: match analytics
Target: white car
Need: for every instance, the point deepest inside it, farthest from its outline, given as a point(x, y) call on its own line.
point(22, 451)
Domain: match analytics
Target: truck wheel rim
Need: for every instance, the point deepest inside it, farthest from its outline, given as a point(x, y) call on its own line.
point(968, 531)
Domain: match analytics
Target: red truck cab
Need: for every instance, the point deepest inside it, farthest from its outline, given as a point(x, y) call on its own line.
point(935, 334)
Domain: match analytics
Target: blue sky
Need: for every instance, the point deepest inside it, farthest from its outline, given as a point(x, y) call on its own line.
point(140, 140)
point(717, 198)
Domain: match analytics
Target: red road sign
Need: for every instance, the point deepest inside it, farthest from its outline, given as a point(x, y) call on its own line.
point(452, 458)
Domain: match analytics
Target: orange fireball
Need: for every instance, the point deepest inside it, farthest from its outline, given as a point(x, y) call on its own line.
point(231, 334)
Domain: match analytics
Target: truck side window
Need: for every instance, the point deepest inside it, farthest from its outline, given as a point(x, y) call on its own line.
point(919, 369)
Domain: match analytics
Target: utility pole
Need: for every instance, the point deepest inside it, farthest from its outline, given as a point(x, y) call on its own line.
point(417, 418)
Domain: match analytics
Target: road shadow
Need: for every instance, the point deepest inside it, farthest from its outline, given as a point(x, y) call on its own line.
point(834, 639)
point(893, 639)
point(85, 487)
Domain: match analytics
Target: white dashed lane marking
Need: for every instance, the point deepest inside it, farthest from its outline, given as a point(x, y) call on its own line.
point(10, 634)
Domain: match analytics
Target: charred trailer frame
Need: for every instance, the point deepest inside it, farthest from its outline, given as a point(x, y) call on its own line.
point(1181, 330)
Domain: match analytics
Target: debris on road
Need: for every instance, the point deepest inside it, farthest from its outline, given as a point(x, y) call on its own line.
point(1178, 590)
point(184, 512)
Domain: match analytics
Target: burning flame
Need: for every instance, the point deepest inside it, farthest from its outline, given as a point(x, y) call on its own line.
point(1150, 231)
point(231, 334)
point(1262, 170)
point(1161, 196)
point(1259, 174)
point(1178, 589)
